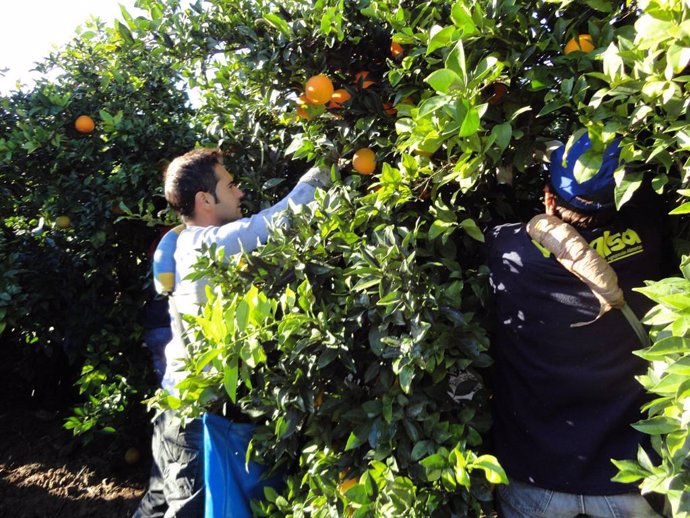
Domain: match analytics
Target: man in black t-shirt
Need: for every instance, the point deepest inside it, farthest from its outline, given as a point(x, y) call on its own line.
point(565, 397)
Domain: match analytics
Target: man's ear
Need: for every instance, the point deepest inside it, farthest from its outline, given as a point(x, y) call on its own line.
point(202, 200)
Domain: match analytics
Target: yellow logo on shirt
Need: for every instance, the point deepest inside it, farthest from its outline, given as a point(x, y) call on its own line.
point(611, 246)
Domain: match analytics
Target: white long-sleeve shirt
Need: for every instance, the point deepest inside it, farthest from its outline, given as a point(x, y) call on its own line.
point(243, 234)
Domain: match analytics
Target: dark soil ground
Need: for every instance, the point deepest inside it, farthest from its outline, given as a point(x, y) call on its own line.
point(45, 472)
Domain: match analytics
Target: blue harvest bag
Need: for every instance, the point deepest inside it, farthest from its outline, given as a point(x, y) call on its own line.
point(230, 483)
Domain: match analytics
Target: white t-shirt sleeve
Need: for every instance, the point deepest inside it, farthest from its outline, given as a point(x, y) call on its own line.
point(248, 233)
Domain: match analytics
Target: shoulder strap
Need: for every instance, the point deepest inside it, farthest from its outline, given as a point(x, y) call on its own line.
point(575, 254)
point(177, 318)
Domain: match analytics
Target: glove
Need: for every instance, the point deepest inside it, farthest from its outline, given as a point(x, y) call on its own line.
point(317, 177)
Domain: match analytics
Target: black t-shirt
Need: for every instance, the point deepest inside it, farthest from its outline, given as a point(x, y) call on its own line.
point(565, 397)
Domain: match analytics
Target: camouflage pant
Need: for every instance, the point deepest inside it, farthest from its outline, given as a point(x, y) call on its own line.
point(176, 488)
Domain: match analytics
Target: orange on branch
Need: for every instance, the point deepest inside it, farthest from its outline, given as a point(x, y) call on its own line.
point(318, 400)
point(361, 78)
point(304, 100)
point(319, 89)
point(364, 161)
point(580, 43)
point(63, 221)
point(132, 456)
point(397, 50)
point(389, 108)
point(422, 150)
point(116, 209)
point(347, 484)
point(497, 91)
point(84, 124)
point(302, 113)
point(339, 97)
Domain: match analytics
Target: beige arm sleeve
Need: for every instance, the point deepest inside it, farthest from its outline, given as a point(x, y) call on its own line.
point(574, 253)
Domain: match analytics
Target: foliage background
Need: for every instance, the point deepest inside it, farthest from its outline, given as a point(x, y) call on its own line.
point(359, 336)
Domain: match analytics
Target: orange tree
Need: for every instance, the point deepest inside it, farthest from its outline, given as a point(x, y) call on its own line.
point(357, 338)
point(80, 204)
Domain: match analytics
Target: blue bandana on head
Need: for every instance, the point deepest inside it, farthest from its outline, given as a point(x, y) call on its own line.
point(598, 190)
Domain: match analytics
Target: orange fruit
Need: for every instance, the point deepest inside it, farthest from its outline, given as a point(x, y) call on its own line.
point(339, 97)
point(347, 484)
point(389, 109)
point(580, 43)
point(397, 50)
point(318, 400)
point(420, 151)
point(302, 113)
point(361, 77)
point(364, 161)
point(428, 147)
point(63, 221)
point(84, 124)
point(498, 90)
point(319, 89)
point(132, 456)
point(303, 99)
point(115, 208)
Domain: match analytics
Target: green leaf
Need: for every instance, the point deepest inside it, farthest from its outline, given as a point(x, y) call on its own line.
point(666, 346)
point(420, 449)
point(439, 227)
point(628, 471)
point(549, 107)
point(443, 80)
point(657, 425)
point(603, 6)
point(462, 18)
point(469, 124)
point(439, 38)
point(682, 209)
point(124, 32)
point(356, 438)
point(230, 379)
point(587, 165)
point(406, 376)
point(626, 185)
point(492, 469)
point(277, 22)
point(432, 104)
point(242, 315)
point(469, 226)
point(297, 143)
point(434, 466)
point(503, 132)
point(677, 58)
point(391, 298)
point(677, 301)
point(456, 62)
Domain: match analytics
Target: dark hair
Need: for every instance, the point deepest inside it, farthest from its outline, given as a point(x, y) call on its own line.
point(579, 218)
point(189, 174)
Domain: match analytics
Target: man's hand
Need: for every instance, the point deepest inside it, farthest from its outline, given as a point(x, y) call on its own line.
point(317, 177)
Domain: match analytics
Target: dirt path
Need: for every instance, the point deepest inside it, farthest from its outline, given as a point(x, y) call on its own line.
point(44, 474)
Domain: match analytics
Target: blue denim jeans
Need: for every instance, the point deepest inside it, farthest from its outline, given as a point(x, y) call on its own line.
point(176, 488)
point(519, 500)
